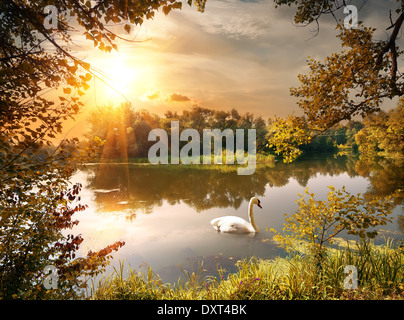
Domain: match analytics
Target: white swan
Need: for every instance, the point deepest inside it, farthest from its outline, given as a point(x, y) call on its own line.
point(235, 224)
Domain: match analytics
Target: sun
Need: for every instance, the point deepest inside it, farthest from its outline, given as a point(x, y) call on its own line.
point(124, 76)
point(121, 76)
point(116, 77)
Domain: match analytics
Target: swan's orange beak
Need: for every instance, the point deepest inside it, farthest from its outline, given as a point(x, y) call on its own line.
point(259, 205)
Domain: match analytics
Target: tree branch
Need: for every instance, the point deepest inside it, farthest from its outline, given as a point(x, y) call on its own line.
point(391, 46)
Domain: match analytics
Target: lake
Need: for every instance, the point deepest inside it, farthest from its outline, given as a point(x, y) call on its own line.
point(163, 213)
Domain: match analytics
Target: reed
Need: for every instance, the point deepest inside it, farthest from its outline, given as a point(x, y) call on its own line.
point(380, 276)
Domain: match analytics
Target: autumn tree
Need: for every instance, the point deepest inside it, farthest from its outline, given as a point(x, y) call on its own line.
point(353, 82)
point(316, 223)
point(37, 63)
point(383, 134)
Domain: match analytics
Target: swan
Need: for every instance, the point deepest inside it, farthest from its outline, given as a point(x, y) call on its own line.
point(235, 224)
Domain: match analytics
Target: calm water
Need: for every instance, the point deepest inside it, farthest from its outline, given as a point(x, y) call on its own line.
point(163, 213)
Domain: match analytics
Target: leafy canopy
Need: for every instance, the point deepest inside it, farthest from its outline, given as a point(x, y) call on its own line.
point(353, 82)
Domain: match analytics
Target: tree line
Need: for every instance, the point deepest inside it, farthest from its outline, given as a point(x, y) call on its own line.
point(125, 130)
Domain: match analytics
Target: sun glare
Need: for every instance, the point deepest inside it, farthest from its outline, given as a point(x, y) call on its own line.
point(117, 78)
point(120, 76)
point(124, 76)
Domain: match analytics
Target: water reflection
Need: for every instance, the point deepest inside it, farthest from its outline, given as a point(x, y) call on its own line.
point(386, 176)
point(142, 188)
point(139, 188)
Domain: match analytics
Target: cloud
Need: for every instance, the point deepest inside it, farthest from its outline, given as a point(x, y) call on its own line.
point(178, 98)
point(248, 19)
point(239, 54)
point(150, 95)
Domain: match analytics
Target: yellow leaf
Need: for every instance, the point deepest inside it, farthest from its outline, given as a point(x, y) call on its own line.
point(67, 90)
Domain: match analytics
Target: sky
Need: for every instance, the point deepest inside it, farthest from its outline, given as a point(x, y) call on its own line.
point(242, 54)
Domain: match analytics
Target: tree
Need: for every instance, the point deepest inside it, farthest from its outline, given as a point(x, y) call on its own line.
point(287, 135)
point(316, 223)
point(383, 134)
point(352, 82)
point(31, 240)
point(35, 201)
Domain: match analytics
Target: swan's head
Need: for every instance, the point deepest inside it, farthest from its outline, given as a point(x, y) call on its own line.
point(255, 200)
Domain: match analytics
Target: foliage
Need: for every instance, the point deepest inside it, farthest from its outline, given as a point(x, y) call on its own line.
point(318, 222)
point(336, 138)
point(352, 82)
point(286, 135)
point(310, 11)
point(383, 134)
point(346, 84)
point(32, 237)
point(126, 130)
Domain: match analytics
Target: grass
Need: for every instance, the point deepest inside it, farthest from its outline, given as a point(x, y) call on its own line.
point(261, 158)
point(380, 276)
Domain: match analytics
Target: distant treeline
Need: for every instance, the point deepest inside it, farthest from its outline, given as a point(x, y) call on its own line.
point(339, 136)
point(126, 130)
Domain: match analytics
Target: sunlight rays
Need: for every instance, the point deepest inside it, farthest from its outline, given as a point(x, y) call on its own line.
point(121, 76)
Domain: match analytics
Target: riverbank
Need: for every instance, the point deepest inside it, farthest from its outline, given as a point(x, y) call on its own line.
point(260, 158)
point(380, 276)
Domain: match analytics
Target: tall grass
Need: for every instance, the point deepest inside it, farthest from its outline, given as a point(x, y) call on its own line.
point(380, 276)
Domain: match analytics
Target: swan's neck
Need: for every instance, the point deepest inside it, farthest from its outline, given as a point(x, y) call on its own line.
point(251, 216)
